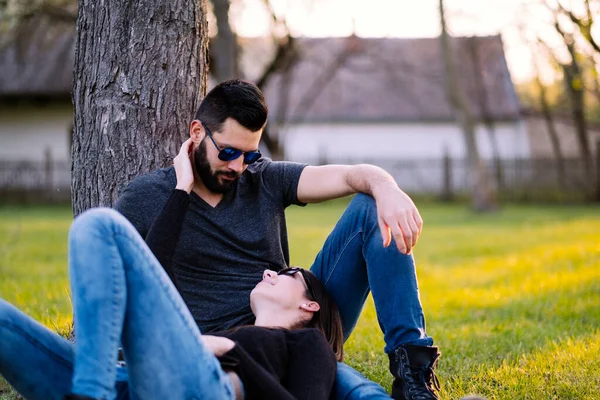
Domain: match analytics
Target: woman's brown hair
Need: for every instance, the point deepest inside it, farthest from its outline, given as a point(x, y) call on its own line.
point(327, 319)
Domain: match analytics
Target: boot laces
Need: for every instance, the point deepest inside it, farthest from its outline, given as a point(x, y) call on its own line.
point(422, 382)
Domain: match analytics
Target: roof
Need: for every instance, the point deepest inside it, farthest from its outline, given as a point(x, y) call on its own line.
point(390, 79)
point(38, 62)
point(335, 79)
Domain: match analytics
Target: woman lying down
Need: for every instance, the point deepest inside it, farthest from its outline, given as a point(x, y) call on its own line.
point(124, 295)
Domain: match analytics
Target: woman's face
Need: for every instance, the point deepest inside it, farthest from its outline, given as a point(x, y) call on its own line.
point(285, 291)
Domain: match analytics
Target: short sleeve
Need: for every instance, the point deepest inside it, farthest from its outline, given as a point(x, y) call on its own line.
point(281, 179)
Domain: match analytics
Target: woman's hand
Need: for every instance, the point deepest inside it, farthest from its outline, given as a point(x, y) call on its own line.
point(217, 344)
point(183, 167)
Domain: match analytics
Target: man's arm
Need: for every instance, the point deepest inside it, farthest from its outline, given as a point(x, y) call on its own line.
point(397, 214)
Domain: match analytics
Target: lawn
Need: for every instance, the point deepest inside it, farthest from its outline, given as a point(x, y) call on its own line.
point(511, 298)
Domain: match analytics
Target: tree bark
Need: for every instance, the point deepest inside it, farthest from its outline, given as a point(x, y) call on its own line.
point(140, 71)
point(482, 195)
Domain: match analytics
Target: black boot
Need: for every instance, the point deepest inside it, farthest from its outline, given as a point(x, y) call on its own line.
point(77, 397)
point(412, 368)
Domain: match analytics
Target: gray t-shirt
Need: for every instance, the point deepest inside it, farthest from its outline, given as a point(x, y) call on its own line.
point(222, 251)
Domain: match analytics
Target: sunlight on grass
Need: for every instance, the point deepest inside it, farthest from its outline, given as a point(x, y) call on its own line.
point(512, 298)
point(33, 262)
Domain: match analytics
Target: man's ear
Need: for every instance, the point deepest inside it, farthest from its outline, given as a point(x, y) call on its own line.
point(196, 131)
point(310, 306)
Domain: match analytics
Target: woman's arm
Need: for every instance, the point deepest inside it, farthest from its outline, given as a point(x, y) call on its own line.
point(312, 366)
point(164, 234)
point(165, 231)
point(258, 382)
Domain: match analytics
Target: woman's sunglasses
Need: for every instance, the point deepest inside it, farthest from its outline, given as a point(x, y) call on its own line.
point(229, 153)
point(291, 272)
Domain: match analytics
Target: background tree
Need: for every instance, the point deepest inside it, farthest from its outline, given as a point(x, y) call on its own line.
point(140, 71)
point(482, 193)
point(227, 53)
point(573, 33)
point(484, 108)
point(224, 48)
point(575, 89)
point(544, 105)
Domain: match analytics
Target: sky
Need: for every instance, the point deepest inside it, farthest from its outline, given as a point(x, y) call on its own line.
point(405, 18)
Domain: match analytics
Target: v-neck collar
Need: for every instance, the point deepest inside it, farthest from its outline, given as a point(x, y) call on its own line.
point(227, 197)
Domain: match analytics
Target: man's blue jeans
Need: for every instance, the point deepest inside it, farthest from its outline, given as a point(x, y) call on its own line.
point(166, 358)
point(353, 262)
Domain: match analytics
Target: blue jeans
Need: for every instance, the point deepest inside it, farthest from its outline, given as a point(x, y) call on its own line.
point(353, 262)
point(120, 294)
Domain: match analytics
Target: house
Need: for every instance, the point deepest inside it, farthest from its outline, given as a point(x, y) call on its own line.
point(36, 113)
point(36, 79)
point(383, 101)
point(350, 100)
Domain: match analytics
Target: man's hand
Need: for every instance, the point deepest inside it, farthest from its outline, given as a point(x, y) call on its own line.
point(183, 167)
point(217, 344)
point(398, 217)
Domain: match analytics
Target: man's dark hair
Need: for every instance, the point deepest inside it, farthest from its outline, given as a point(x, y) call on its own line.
point(237, 99)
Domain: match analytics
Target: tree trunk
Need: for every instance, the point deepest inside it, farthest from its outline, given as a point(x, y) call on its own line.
point(486, 114)
point(140, 71)
point(554, 140)
point(482, 195)
point(575, 91)
point(225, 46)
point(549, 120)
point(284, 59)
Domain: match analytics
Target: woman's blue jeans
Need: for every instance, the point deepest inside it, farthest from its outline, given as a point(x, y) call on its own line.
point(120, 295)
point(353, 262)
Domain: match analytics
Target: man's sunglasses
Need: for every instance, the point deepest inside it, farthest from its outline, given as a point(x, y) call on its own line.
point(229, 153)
point(291, 272)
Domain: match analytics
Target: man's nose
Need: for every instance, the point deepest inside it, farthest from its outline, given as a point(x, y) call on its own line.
point(237, 165)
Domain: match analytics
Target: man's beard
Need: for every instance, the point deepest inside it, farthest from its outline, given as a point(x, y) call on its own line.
point(210, 178)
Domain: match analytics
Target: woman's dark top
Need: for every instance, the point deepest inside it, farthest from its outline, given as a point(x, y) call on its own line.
point(280, 364)
point(276, 363)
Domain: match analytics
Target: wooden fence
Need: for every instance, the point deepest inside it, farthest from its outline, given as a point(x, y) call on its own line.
point(516, 180)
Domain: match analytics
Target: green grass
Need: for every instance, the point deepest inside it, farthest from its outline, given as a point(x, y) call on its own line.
point(511, 298)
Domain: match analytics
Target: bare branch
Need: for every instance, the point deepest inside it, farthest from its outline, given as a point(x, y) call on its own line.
point(585, 26)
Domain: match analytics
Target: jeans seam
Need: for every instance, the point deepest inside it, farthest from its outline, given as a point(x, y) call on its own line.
point(115, 309)
point(340, 254)
point(32, 340)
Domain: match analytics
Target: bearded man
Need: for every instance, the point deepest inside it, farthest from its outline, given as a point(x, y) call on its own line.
point(235, 229)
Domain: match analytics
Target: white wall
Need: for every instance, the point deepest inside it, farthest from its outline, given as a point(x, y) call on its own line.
point(409, 141)
point(540, 143)
point(412, 152)
point(27, 132)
